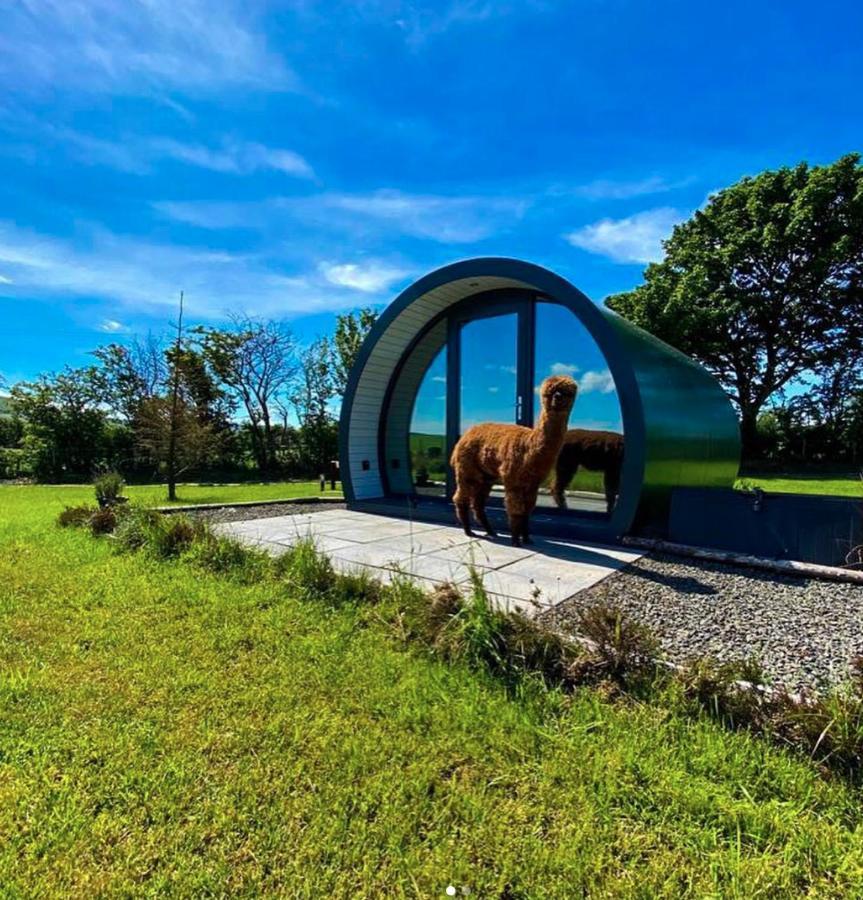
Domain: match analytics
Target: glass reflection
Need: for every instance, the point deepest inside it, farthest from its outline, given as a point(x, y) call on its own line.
point(428, 431)
point(587, 474)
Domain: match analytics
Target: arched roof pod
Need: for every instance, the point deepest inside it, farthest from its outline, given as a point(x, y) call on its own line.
point(680, 427)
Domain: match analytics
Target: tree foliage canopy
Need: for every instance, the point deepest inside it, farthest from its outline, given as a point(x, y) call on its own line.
point(765, 284)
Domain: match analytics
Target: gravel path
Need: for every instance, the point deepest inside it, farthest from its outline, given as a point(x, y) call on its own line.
point(804, 632)
point(263, 511)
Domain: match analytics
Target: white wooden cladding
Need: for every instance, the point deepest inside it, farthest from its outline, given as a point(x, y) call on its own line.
point(364, 425)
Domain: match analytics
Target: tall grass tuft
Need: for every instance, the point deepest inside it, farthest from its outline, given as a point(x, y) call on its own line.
point(108, 488)
point(226, 556)
point(309, 573)
point(136, 526)
point(75, 516)
point(619, 650)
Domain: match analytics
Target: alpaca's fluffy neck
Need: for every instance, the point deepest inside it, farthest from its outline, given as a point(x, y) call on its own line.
point(548, 433)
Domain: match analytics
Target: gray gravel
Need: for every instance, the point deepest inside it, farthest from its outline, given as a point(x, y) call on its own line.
point(804, 632)
point(262, 511)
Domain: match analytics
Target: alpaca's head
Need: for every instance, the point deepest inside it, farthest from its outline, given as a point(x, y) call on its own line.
point(558, 394)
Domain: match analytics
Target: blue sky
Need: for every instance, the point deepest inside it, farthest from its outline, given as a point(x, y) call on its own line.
point(298, 159)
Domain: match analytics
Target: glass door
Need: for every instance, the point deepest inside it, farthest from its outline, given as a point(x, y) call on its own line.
point(489, 372)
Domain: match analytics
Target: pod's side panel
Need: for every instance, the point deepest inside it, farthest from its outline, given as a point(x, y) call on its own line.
point(691, 434)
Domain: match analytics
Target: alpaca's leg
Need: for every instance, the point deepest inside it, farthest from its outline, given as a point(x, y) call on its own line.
point(611, 482)
point(462, 511)
point(516, 525)
point(479, 508)
point(465, 492)
point(564, 471)
point(517, 515)
point(530, 505)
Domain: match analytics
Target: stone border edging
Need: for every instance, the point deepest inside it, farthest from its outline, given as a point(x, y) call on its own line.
point(240, 504)
point(780, 566)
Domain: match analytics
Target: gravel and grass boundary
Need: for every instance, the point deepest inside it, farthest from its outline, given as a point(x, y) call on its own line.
point(804, 632)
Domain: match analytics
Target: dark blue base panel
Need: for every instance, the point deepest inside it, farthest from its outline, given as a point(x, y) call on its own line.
point(809, 528)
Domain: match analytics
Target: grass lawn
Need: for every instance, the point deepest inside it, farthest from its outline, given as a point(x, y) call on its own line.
point(838, 485)
point(165, 731)
point(157, 494)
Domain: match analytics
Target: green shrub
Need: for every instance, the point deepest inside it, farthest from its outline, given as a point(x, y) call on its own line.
point(173, 535)
point(75, 516)
point(713, 687)
point(103, 520)
point(109, 489)
point(135, 527)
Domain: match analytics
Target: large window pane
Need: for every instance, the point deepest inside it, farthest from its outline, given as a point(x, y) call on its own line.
point(489, 357)
point(565, 347)
point(428, 430)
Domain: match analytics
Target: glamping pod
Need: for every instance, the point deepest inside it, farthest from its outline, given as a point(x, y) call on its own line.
point(471, 342)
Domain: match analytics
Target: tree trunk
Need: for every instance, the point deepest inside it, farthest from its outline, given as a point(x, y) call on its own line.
point(749, 435)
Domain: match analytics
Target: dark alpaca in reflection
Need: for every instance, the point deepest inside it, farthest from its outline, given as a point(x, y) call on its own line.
point(596, 451)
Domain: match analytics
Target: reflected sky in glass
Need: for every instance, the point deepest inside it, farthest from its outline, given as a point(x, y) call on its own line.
point(563, 346)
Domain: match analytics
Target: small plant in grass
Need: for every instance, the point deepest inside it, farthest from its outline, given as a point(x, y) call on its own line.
point(307, 571)
point(714, 687)
point(356, 587)
point(172, 535)
point(507, 644)
point(75, 516)
point(109, 489)
point(135, 526)
point(477, 633)
point(103, 520)
point(223, 555)
point(620, 649)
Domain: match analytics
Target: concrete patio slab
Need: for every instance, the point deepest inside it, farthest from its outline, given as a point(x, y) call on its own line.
point(528, 579)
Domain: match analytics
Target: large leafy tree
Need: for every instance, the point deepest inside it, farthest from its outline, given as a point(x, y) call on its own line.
point(63, 423)
point(765, 284)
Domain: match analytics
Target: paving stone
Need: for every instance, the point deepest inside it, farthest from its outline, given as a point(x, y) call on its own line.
point(527, 579)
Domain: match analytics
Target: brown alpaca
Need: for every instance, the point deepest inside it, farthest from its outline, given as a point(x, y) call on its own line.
point(514, 455)
point(597, 451)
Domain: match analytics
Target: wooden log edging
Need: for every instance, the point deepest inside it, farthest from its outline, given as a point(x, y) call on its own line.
point(780, 566)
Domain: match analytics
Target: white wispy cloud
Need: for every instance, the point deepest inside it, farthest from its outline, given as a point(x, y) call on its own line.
point(441, 218)
point(446, 219)
point(422, 22)
point(5, 280)
point(236, 157)
point(138, 155)
point(634, 239)
point(368, 277)
point(560, 368)
point(599, 382)
point(112, 326)
point(614, 189)
point(137, 47)
point(147, 276)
